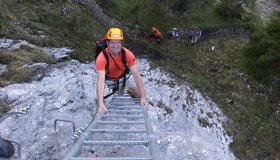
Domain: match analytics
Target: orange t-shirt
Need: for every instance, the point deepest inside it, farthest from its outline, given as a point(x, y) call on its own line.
point(114, 71)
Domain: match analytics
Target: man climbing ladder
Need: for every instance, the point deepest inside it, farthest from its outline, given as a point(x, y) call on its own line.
point(113, 73)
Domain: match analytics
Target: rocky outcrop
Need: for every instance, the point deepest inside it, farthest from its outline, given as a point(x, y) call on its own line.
point(59, 54)
point(67, 92)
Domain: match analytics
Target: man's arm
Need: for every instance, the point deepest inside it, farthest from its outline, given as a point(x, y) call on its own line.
point(100, 91)
point(139, 84)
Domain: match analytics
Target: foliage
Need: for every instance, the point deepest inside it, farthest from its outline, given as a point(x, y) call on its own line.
point(252, 108)
point(258, 139)
point(6, 58)
point(15, 75)
point(4, 107)
point(242, 13)
point(262, 54)
point(51, 23)
point(229, 8)
point(15, 60)
point(168, 13)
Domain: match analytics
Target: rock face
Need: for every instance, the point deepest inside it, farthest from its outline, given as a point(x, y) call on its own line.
point(267, 7)
point(59, 54)
point(68, 92)
point(3, 68)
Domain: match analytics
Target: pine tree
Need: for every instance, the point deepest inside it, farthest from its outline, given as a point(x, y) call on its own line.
point(262, 56)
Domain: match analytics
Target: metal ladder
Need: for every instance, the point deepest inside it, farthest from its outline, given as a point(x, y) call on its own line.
point(124, 133)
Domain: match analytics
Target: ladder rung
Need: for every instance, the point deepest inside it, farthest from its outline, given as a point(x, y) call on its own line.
point(117, 131)
point(122, 103)
point(125, 111)
point(124, 107)
point(116, 142)
point(123, 116)
point(120, 122)
point(124, 96)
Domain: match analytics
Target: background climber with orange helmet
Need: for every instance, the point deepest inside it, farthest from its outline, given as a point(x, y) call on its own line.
point(112, 74)
point(156, 33)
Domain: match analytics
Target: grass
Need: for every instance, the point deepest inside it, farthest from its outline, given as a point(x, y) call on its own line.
point(196, 14)
point(51, 23)
point(4, 107)
point(220, 75)
point(15, 60)
point(204, 122)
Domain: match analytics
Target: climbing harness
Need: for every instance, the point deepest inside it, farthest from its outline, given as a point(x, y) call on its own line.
point(117, 85)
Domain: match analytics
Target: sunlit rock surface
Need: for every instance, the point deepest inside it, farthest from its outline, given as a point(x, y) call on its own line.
point(68, 92)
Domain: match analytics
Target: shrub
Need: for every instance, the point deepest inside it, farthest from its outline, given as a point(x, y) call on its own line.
point(229, 9)
point(4, 107)
point(7, 57)
point(16, 59)
point(17, 75)
point(262, 55)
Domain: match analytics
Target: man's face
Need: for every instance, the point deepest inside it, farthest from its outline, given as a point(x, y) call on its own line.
point(114, 46)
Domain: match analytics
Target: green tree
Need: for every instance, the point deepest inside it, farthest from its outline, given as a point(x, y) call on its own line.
point(262, 54)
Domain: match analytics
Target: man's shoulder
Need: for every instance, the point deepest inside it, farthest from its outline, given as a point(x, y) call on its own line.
point(100, 57)
point(125, 49)
point(130, 58)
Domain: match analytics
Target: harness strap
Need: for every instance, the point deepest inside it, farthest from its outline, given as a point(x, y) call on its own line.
point(125, 71)
point(107, 59)
point(116, 87)
point(114, 91)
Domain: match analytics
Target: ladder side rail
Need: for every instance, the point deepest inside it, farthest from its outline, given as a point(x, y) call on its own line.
point(76, 148)
point(152, 139)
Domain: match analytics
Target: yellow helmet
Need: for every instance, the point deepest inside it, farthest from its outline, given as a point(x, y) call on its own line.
point(114, 34)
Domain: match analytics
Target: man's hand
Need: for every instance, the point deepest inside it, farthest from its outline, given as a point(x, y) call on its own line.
point(102, 109)
point(144, 102)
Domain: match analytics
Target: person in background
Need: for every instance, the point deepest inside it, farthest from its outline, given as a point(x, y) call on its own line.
point(195, 36)
point(176, 33)
point(156, 33)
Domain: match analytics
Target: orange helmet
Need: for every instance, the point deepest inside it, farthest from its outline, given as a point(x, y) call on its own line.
point(114, 34)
